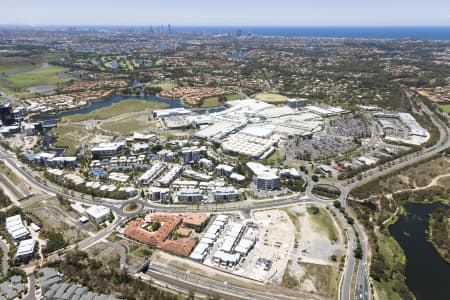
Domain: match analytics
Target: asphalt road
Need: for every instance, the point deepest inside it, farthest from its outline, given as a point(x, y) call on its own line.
point(346, 288)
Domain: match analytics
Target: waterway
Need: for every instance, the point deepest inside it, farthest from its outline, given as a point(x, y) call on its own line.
point(43, 66)
point(427, 274)
point(53, 119)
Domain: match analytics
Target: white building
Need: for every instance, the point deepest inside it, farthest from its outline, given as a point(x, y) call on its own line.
point(97, 214)
point(264, 178)
point(224, 170)
point(25, 249)
point(159, 194)
point(165, 155)
point(196, 175)
point(236, 177)
point(206, 164)
point(107, 148)
point(170, 176)
point(16, 229)
point(192, 154)
point(151, 174)
point(226, 194)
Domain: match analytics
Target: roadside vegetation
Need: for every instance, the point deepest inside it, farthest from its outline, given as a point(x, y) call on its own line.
point(4, 200)
point(326, 191)
point(101, 278)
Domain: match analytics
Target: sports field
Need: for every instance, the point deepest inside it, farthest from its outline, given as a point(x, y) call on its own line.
point(271, 98)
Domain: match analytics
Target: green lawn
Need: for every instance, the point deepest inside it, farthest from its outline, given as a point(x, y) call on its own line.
point(41, 76)
point(116, 109)
point(271, 98)
point(324, 222)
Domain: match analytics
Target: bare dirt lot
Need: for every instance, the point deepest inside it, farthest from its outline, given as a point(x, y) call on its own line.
point(53, 218)
point(277, 235)
point(318, 238)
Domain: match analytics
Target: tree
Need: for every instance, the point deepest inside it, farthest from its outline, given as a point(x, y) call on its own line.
point(315, 178)
point(337, 204)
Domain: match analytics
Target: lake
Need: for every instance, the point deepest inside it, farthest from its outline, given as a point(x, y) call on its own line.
point(427, 274)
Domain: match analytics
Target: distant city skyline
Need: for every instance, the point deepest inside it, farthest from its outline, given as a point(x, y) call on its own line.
point(227, 13)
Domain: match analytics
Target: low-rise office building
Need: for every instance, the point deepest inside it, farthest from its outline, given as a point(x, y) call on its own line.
point(107, 149)
point(263, 177)
point(98, 214)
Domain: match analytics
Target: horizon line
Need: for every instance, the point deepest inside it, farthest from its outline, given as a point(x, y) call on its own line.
point(225, 26)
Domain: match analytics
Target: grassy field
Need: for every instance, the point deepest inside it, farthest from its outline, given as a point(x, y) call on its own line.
point(234, 97)
point(323, 220)
point(69, 137)
point(210, 102)
point(275, 157)
point(214, 101)
point(445, 107)
point(116, 109)
point(126, 125)
point(41, 76)
point(271, 98)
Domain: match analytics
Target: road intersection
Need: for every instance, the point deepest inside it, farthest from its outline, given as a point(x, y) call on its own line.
point(362, 286)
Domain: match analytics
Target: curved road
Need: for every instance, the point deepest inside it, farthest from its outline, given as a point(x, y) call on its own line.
point(346, 287)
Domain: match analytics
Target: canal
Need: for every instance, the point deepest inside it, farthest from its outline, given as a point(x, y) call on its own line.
point(427, 274)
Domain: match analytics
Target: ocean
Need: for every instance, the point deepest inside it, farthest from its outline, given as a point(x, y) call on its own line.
point(410, 32)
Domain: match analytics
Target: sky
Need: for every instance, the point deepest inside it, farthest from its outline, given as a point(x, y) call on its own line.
point(227, 12)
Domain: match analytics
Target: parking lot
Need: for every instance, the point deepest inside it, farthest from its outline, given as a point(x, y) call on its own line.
point(322, 146)
point(351, 127)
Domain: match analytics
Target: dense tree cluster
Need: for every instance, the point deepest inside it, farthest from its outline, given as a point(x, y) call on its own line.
point(440, 231)
point(77, 267)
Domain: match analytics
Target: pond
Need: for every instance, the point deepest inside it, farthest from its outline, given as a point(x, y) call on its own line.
point(427, 274)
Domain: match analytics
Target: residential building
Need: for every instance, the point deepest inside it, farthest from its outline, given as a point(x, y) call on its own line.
point(226, 194)
point(191, 155)
point(152, 173)
point(190, 195)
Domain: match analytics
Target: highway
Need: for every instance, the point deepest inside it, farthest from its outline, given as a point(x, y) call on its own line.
point(362, 287)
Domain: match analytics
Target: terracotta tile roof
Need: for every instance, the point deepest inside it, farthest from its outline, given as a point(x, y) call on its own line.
point(182, 246)
point(194, 219)
point(184, 231)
